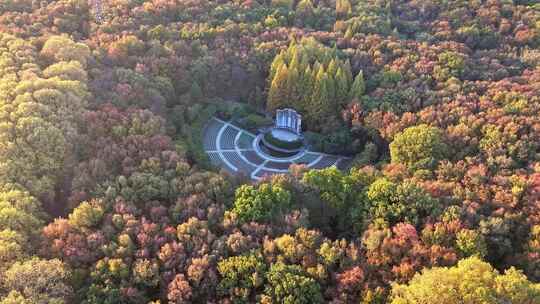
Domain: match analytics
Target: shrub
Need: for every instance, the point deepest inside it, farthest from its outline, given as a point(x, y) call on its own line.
point(292, 145)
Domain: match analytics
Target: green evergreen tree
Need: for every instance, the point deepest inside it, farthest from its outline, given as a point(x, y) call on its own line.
point(348, 72)
point(321, 100)
point(293, 88)
point(305, 12)
point(342, 87)
point(304, 60)
point(278, 94)
point(278, 62)
point(306, 85)
point(358, 87)
point(295, 81)
point(332, 90)
point(349, 33)
point(295, 58)
point(332, 67)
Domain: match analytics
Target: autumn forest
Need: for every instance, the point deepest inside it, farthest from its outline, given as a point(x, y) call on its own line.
point(107, 195)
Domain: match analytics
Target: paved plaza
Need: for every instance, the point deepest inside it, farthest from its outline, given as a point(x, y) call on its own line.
point(237, 151)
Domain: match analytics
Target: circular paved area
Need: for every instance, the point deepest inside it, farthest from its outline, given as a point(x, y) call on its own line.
point(237, 151)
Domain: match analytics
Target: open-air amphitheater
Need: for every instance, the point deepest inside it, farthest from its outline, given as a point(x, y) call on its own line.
point(238, 152)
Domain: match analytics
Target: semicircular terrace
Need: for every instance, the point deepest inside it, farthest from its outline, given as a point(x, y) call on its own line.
point(237, 151)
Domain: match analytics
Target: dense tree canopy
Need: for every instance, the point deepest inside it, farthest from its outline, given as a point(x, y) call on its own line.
point(264, 203)
point(39, 281)
point(107, 195)
point(314, 80)
point(418, 147)
point(471, 281)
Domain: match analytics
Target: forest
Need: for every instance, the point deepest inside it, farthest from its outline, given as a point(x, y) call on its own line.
point(107, 196)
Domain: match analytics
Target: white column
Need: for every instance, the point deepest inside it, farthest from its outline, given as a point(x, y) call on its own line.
point(289, 119)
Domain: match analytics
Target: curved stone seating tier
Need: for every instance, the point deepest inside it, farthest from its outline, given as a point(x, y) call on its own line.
point(253, 157)
point(228, 137)
point(307, 158)
point(232, 148)
point(235, 159)
point(216, 160)
point(211, 131)
point(325, 161)
point(278, 165)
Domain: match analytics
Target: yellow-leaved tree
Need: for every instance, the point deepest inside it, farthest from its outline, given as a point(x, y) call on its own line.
point(472, 281)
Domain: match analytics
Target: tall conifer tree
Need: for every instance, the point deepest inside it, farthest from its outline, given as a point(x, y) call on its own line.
point(358, 87)
point(278, 94)
point(342, 87)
